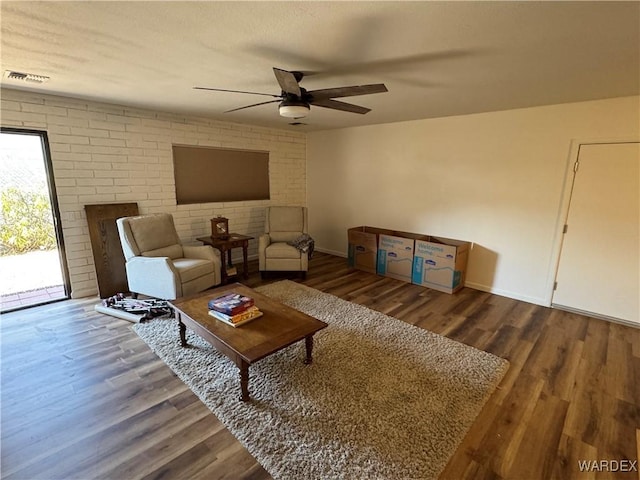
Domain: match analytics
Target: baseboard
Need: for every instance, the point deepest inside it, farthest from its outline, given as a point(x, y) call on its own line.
point(621, 321)
point(476, 286)
point(331, 252)
point(506, 293)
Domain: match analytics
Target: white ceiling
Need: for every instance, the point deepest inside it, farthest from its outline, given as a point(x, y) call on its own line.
point(436, 58)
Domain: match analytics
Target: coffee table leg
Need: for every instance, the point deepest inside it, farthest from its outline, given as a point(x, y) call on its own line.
point(308, 342)
point(183, 332)
point(244, 381)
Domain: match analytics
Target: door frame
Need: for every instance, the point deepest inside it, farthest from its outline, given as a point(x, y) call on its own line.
point(55, 208)
point(565, 204)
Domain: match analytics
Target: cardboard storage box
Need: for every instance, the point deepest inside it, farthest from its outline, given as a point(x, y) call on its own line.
point(395, 255)
point(440, 263)
point(363, 247)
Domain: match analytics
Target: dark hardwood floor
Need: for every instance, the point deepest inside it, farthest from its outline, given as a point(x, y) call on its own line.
point(83, 397)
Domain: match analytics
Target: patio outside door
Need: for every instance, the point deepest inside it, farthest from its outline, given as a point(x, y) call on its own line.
point(32, 265)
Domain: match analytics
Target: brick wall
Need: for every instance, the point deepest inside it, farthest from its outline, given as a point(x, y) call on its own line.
point(105, 153)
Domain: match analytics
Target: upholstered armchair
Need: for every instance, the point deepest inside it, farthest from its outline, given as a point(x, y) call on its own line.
point(282, 225)
point(158, 265)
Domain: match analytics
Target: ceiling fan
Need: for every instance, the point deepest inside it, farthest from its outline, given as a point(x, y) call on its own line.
point(295, 101)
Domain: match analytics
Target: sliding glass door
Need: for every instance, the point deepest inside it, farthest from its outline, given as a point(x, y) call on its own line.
point(32, 259)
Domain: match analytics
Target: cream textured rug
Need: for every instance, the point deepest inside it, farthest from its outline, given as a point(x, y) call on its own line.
point(382, 399)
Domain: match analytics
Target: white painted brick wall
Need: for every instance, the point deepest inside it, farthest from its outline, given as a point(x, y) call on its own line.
point(105, 153)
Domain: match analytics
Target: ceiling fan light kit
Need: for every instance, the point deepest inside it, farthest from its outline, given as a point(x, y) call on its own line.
point(293, 111)
point(295, 102)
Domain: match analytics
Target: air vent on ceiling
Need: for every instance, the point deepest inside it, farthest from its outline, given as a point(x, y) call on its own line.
point(25, 77)
point(297, 123)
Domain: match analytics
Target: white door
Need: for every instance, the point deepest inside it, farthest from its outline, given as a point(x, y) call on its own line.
point(599, 268)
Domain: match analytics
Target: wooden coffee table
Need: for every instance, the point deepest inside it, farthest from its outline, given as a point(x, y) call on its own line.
point(279, 327)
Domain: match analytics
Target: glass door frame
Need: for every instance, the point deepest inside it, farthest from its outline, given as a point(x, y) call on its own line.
point(55, 209)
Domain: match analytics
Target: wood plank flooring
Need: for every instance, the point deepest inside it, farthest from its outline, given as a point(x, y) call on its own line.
point(84, 398)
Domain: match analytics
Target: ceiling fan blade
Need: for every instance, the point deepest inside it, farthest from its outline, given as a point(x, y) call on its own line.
point(287, 81)
point(254, 105)
point(237, 91)
point(348, 91)
point(336, 105)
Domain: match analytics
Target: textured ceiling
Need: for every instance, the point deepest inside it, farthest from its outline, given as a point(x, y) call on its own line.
point(436, 58)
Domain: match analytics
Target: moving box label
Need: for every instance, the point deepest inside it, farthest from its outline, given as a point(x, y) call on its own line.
point(395, 257)
point(440, 264)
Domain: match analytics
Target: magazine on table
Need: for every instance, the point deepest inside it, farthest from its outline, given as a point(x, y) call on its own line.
point(239, 319)
point(231, 303)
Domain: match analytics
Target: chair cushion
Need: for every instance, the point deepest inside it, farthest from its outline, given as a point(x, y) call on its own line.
point(285, 223)
point(284, 236)
point(172, 251)
point(152, 232)
point(192, 268)
point(282, 250)
point(285, 219)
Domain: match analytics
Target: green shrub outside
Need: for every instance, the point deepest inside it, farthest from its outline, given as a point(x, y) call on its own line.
point(26, 223)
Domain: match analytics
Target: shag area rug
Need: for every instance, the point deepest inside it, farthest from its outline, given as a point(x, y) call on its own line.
point(382, 399)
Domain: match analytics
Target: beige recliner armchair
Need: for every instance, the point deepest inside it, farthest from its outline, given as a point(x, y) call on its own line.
point(282, 225)
point(158, 265)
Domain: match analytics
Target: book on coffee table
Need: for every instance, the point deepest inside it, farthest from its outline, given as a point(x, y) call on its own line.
point(239, 319)
point(231, 303)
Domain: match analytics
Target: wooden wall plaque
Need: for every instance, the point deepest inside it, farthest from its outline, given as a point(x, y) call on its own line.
point(105, 243)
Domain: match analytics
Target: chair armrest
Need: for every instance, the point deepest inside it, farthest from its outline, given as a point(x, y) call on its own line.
point(203, 252)
point(154, 276)
point(264, 241)
point(151, 266)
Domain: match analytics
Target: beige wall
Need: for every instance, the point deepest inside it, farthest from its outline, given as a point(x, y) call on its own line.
point(495, 179)
point(105, 153)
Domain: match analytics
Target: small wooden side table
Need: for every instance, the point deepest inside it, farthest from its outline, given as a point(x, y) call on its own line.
point(234, 240)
